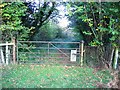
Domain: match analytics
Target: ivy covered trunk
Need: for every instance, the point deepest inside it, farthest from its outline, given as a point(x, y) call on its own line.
point(110, 57)
point(101, 56)
point(106, 56)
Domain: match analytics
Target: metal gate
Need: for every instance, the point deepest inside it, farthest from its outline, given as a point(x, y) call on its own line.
point(45, 52)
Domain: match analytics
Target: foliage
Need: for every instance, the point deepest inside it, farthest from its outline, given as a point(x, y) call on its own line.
point(97, 22)
point(46, 76)
point(23, 20)
point(37, 16)
point(48, 31)
point(11, 21)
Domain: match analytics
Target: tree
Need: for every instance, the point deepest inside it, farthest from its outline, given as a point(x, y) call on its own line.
point(48, 31)
point(11, 21)
point(38, 15)
point(23, 20)
point(101, 24)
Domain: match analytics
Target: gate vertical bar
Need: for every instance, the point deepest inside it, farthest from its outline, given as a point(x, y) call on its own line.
point(81, 53)
point(6, 53)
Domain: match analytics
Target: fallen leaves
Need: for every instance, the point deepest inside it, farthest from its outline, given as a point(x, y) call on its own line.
point(51, 76)
point(66, 75)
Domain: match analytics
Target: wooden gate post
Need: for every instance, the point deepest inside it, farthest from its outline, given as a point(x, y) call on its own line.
point(14, 51)
point(81, 53)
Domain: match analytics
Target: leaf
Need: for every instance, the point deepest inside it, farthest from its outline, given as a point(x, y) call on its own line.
point(112, 38)
point(114, 10)
point(2, 5)
point(87, 32)
point(6, 15)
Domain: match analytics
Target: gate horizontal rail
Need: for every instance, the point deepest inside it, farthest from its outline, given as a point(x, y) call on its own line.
point(46, 42)
point(4, 44)
point(47, 50)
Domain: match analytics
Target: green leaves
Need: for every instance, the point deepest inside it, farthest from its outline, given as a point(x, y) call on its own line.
point(79, 9)
point(113, 38)
point(95, 43)
point(114, 10)
point(12, 24)
point(97, 20)
point(6, 15)
point(102, 29)
point(69, 9)
point(87, 32)
point(114, 32)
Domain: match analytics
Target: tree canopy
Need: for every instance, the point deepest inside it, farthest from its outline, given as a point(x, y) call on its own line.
point(12, 25)
point(23, 20)
point(38, 15)
point(98, 23)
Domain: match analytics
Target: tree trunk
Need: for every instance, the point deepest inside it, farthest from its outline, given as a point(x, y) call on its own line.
point(101, 56)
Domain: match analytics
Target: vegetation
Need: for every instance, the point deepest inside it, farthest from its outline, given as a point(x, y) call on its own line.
point(97, 24)
point(11, 21)
point(48, 32)
point(37, 16)
point(24, 20)
point(47, 76)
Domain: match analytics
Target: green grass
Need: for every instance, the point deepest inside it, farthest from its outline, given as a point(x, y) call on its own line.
point(46, 76)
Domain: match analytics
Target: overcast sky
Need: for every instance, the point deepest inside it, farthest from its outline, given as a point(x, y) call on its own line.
point(63, 21)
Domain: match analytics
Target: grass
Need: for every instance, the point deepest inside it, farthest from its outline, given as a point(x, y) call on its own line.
point(48, 76)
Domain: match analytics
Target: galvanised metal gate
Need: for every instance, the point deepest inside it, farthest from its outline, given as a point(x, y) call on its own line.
point(45, 52)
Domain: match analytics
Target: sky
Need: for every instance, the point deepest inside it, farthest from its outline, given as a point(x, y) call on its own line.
point(63, 21)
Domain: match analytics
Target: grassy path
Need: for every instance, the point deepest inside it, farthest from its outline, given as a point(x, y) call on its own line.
point(46, 76)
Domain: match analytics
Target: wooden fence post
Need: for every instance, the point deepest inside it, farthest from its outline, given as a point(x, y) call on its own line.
point(2, 55)
point(6, 55)
point(116, 58)
point(14, 51)
point(81, 53)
